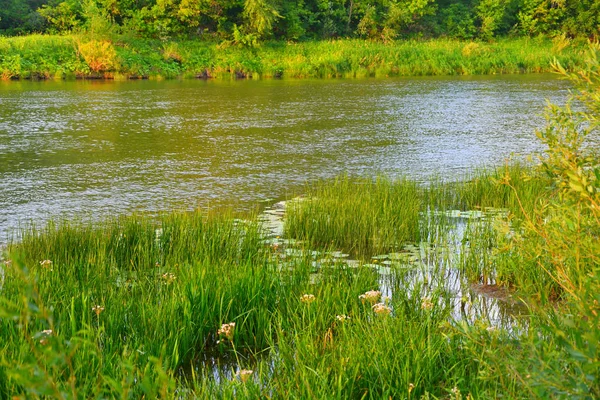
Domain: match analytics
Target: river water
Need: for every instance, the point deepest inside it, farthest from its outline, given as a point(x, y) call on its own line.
point(93, 149)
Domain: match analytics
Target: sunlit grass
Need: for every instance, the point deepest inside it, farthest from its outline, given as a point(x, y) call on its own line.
point(131, 306)
point(44, 56)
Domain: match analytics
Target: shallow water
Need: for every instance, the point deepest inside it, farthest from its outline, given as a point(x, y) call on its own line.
point(99, 148)
point(427, 270)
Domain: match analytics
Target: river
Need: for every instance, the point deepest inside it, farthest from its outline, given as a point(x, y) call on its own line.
point(94, 148)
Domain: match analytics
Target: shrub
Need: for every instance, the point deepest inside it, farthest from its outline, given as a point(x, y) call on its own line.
point(99, 55)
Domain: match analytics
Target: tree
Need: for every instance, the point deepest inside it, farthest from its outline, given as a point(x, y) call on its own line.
point(490, 14)
point(62, 16)
point(260, 16)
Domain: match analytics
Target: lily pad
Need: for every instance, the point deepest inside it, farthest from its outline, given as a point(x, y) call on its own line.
point(339, 254)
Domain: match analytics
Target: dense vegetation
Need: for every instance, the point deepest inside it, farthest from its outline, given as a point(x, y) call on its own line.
point(43, 57)
point(147, 307)
point(274, 38)
point(247, 21)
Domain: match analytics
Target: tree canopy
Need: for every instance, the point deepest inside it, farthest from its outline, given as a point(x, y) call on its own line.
point(254, 20)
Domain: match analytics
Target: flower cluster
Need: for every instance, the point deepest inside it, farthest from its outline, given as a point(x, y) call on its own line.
point(45, 334)
point(342, 317)
point(372, 296)
point(244, 374)
point(456, 392)
point(426, 304)
point(382, 309)
point(226, 330)
point(169, 277)
point(97, 309)
point(47, 264)
point(307, 298)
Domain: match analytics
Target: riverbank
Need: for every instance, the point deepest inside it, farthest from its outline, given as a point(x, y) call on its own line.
point(70, 57)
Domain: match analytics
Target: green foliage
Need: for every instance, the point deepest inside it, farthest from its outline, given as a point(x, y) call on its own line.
point(62, 16)
point(553, 257)
point(261, 15)
point(457, 20)
point(559, 239)
point(59, 56)
point(402, 14)
point(575, 18)
point(99, 24)
point(18, 17)
point(308, 19)
point(490, 13)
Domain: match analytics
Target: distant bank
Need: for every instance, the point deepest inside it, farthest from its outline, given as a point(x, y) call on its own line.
point(72, 57)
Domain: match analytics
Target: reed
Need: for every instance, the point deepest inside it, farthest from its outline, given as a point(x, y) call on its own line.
point(359, 215)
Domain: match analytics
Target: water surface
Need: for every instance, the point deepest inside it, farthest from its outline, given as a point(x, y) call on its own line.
point(99, 148)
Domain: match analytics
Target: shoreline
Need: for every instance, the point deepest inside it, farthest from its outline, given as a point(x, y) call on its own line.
point(53, 57)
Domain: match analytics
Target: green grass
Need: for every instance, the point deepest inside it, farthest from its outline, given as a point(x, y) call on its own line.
point(359, 215)
point(167, 283)
point(367, 216)
point(162, 295)
point(38, 56)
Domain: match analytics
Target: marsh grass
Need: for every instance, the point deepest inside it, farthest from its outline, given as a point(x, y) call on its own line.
point(164, 287)
point(129, 301)
point(128, 307)
point(487, 188)
point(360, 215)
point(367, 216)
point(124, 307)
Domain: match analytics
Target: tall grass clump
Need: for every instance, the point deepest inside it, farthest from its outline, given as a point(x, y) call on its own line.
point(132, 290)
point(39, 57)
point(342, 339)
point(373, 350)
point(483, 189)
point(366, 216)
point(118, 308)
point(359, 215)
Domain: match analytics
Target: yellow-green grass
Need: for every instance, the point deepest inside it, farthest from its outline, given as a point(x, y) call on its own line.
point(46, 56)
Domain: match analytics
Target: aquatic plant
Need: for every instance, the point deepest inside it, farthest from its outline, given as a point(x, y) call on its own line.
point(381, 309)
point(372, 296)
point(307, 298)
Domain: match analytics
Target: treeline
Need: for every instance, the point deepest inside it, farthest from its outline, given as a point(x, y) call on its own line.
point(248, 21)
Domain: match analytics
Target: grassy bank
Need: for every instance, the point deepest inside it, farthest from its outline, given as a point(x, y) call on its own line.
point(58, 57)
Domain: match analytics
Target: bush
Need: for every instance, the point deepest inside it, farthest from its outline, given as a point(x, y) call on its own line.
point(99, 55)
